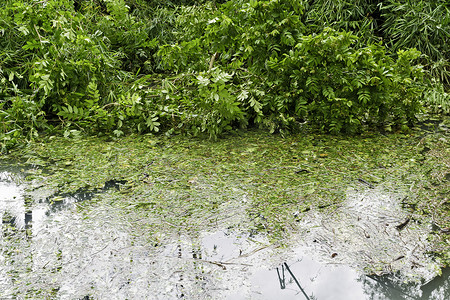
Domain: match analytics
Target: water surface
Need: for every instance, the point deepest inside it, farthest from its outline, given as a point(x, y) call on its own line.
point(79, 245)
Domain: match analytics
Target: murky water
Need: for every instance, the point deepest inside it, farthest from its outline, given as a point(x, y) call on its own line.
point(65, 247)
point(371, 231)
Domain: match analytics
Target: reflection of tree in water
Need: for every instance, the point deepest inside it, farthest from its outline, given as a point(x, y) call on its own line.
point(388, 287)
point(282, 280)
point(438, 289)
point(197, 277)
point(383, 287)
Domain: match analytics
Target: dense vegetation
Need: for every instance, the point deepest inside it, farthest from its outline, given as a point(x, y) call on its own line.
point(116, 66)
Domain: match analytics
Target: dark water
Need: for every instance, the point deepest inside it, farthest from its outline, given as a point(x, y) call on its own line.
point(51, 246)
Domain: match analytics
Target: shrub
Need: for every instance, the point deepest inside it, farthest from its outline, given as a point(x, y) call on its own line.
point(115, 66)
point(328, 79)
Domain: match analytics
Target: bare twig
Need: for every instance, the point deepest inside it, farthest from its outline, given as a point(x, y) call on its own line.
point(211, 62)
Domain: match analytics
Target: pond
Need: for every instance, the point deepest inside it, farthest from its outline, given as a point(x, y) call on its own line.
point(89, 245)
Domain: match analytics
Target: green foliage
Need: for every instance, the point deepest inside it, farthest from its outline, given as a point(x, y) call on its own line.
point(360, 17)
point(116, 66)
point(328, 79)
point(72, 61)
point(212, 103)
point(340, 87)
point(240, 31)
point(424, 25)
point(18, 117)
point(436, 99)
point(401, 24)
point(258, 30)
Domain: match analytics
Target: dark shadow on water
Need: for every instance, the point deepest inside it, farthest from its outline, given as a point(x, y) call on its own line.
point(316, 284)
point(440, 286)
point(63, 201)
point(16, 209)
point(389, 288)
